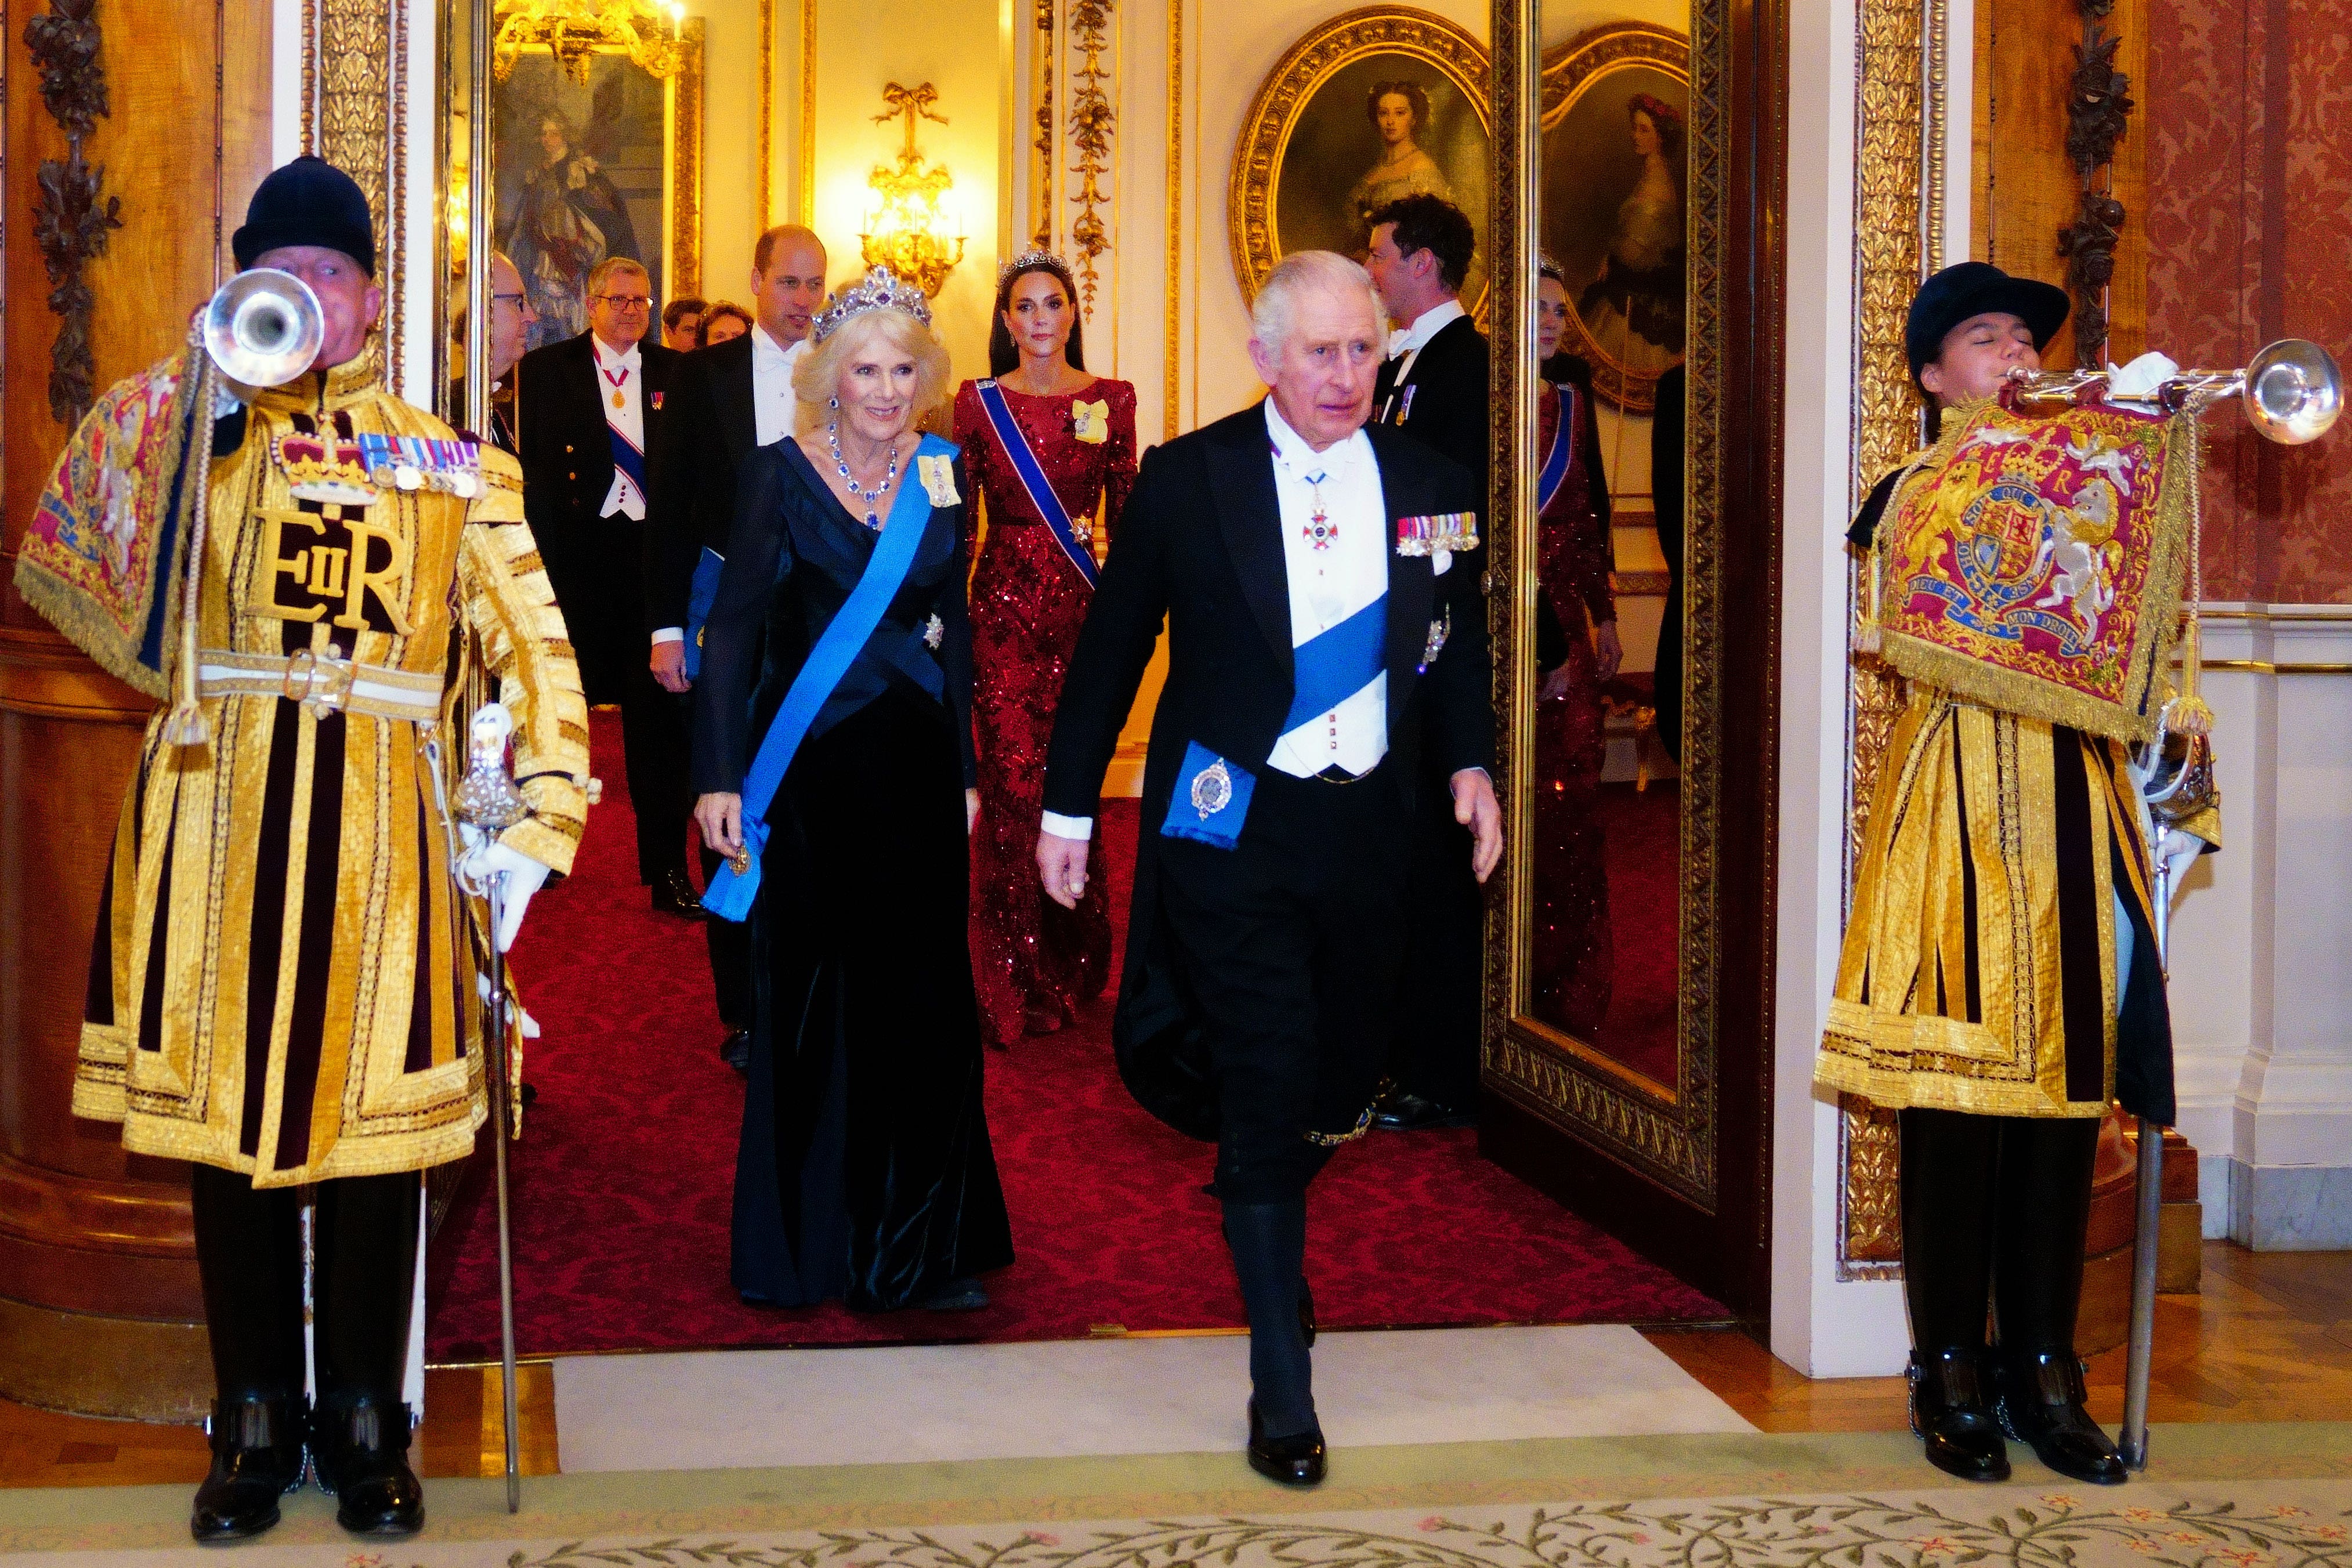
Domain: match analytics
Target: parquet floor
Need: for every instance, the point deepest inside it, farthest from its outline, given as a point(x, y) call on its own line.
point(2269, 1339)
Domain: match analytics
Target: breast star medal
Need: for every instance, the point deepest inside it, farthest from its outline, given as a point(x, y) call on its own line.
point(1213, 790)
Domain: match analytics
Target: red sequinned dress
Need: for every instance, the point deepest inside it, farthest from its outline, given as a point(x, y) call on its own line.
point(1034, 961)
point(1574, 953)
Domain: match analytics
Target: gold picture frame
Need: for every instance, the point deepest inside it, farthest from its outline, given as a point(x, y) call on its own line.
point(1312, 108)
point(1590, 177)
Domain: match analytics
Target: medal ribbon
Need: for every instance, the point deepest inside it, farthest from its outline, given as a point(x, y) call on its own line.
point(731, 892)
point(1033, 479)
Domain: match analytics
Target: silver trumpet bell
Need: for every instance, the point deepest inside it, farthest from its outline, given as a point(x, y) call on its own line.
point(263, 327)
point(2292, 390)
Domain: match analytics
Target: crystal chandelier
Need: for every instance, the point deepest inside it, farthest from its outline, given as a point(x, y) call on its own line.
point(906, 230)
point(574, 30)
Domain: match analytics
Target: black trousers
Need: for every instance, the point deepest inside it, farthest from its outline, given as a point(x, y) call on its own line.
point(1995, 1211)
point(654, 748)
point(249, 1256)
point(1290, 945)
point(1437, 1042)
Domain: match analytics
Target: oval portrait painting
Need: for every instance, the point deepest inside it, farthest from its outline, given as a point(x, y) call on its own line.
point(1370, 107)
point(1616, 153)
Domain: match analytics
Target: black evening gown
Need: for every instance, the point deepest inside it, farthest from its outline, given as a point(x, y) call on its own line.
point(864, 1171)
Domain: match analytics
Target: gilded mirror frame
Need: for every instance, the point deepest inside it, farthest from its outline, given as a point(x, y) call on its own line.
point(1666, 1133)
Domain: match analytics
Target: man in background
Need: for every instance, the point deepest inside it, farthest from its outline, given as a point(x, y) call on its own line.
point(682, 322)
point(731, 397)
point(1434, 389)
point(588, 409)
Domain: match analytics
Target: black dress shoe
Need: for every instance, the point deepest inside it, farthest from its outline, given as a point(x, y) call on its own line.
point(362, 1455)
point(2039, 1396)
point(673, 894)
point(1402, 1111)
point(1949, 1413)
point(257, 1458)
point(1295, 1461)
point(964, 1295)
point(735, 1051)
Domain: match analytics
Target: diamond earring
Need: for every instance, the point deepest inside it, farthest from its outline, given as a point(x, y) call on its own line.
point(833, 403)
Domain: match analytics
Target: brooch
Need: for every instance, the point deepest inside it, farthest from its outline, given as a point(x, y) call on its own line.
point(937, 474)
point(1213, 790)
point(935, 631)
point(1090, 422)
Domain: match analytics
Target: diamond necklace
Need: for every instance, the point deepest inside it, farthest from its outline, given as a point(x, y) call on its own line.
point(873, 499)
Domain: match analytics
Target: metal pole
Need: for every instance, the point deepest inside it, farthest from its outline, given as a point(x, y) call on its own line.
point(501, 1124)
point(2150, 1210)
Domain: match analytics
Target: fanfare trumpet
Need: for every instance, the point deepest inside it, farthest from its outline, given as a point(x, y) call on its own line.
point(2292, 390)
point(263, 328)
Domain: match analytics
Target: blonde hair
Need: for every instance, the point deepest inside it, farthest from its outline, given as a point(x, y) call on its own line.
point(601, 273)
point(816, 380)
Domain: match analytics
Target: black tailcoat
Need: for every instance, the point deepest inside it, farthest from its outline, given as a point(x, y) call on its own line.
point(712, 426)
point(1200, 547)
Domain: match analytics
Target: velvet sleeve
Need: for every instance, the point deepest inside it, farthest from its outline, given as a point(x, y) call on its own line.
point(758, 559)
point(1123, 627)
point(955, 643)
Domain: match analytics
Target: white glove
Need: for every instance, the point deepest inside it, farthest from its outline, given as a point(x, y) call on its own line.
point(2141, 377)
point(2176, 851)
point(524, 876)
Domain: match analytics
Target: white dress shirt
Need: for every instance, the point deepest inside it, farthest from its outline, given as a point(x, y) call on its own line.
point(773, 401)
point(1327, 586)
point(1409, 342)
point(625, 375)
point(772, 405)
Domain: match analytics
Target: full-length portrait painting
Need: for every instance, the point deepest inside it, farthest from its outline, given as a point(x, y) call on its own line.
point(590, 169)
point(1373, 105)
point(1615, 169)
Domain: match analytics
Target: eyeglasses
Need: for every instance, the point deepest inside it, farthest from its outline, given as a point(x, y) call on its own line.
point(510, 298)
point(625, 301)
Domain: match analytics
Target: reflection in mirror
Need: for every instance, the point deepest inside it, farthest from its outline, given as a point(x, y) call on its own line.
point(1603, 823)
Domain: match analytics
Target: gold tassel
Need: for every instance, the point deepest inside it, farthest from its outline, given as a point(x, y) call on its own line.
point(187, 726)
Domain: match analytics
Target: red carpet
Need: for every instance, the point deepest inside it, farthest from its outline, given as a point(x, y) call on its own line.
point(1644, 846)
point(624, 1176)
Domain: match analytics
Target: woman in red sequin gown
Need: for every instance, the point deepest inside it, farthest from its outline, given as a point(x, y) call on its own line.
point(1034, 961)
point(1574, 953)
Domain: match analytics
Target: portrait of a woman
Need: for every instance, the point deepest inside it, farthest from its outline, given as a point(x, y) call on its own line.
point(1634, 310)
point(1398, 111)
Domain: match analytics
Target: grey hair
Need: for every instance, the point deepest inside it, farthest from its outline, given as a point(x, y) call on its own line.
point(1276, 306)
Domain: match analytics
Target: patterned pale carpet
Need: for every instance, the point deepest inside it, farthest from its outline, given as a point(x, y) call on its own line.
point(2234, 1496)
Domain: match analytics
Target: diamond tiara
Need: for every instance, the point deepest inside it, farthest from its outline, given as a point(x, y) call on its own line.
point(1029, 258)
point(882, 290)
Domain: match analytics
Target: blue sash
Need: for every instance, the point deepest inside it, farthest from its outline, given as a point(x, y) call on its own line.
point(1334, 665)
point(1033, 479)
point(1563, 441)
point(731, 893)
point(700, 595)
point(627, 458)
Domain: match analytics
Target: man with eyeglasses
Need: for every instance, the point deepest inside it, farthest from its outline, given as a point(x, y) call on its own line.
point(589, 410)
point(511, 320)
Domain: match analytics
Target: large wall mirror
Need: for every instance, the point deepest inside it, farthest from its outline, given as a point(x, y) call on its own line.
point(1627, 1033)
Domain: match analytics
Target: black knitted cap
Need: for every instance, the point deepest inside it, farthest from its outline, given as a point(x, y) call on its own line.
point(307, 201)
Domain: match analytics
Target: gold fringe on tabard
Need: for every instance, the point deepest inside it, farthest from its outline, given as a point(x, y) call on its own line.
point(108, 622)
point(2155, 634)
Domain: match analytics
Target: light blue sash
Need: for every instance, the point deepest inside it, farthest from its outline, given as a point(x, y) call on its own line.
point(731, 893)
point(1563, 441)
point(1334, 665)
point(1033, 479)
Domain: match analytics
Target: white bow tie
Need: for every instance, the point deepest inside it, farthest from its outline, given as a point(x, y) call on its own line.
point(1398, 341)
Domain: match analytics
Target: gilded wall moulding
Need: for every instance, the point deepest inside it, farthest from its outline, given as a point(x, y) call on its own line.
point(1094, 121)
point(1899, 87)
point(355, 71)
point(1311, 121)
point(70, 223)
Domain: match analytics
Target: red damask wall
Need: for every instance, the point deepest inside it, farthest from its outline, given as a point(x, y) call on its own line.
point(2247, 111)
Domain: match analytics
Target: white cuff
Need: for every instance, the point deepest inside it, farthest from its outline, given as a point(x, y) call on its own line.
point(1081, 829)
point(670, 634)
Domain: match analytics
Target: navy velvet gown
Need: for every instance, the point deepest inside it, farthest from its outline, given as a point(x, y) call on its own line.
point(864, 1171)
